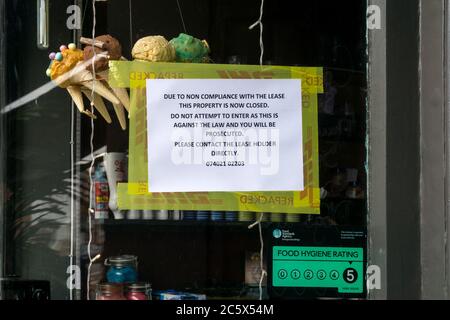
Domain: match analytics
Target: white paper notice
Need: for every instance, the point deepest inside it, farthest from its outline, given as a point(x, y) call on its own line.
point(224, 135)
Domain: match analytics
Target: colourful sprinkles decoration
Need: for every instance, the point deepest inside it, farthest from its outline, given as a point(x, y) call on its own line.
point(52, 56)
point(72, 46)
point(62, 48)
point(59, 56)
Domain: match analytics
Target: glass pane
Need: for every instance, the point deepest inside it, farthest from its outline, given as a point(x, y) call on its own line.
point(52, 179)
point(37, 139)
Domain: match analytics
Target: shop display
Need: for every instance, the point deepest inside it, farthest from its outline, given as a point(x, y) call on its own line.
point(121, 269)
point(153, 49)
point(71, 68)
point(190, 49)
point(194, 241)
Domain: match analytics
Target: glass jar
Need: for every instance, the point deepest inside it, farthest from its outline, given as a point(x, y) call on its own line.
point(109, 291)
point(139, 291)
point(122, 269)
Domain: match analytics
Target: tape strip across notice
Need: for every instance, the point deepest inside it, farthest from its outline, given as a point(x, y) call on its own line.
point(134, 195)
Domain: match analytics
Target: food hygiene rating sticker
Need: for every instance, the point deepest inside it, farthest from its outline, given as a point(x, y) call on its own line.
point(318, 267)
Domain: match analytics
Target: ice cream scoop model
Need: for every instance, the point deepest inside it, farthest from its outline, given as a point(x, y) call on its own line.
point(102, 43)
point(71, 68)
point(190, 49)
point(153, 49)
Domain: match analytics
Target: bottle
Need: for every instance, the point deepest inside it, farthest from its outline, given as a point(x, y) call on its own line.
point(175, 215)
point(116, 171)
point(100, 190)
point(148, 215)
point(161, 215)
point(134, 214)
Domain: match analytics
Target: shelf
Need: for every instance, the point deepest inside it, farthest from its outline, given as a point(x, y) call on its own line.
point(183, 226)
point(187, 225)
point(176, 223)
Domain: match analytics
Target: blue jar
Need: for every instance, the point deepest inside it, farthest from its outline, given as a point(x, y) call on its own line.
point(122, 269)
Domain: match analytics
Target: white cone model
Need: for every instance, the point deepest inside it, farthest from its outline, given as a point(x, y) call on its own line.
point(69, 70)
point(116, 172)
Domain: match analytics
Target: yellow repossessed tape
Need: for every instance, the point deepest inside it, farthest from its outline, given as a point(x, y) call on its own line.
point(134, 195)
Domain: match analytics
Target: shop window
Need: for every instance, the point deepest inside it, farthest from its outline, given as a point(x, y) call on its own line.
point(187, 253)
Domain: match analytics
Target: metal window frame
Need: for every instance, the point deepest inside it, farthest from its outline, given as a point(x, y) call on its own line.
point(435, 130)
point(2, 131)
point(376, 103)
point(408, 130)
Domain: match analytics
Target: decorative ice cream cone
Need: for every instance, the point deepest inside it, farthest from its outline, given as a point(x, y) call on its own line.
point(120, 115)
point(77, 97)
point(122, 94)
point(71, 68)
point(99, 104)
